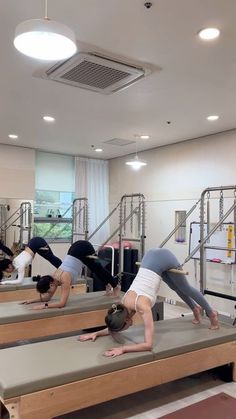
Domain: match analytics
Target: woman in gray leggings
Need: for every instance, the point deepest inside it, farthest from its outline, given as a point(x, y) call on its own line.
point(160, 261)
point(141, 297)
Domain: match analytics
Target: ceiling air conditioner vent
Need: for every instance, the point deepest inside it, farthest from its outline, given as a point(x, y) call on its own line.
point(119, 142)
point(94, 72)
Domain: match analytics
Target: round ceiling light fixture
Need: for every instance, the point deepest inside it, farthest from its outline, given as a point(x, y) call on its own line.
point(13, 136)
point(48, 118)
point(45, 39)
point(208, 34)
point(145, 137)
point(212, 117)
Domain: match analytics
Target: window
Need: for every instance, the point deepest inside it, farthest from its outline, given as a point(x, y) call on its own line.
point(55, 185)
point(53, 215)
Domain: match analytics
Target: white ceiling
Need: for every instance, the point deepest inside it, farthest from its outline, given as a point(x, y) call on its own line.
point(190, 79)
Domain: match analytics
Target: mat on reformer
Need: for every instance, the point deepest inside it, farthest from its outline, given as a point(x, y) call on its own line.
point(54, 377)
point(27, 289)
point(19, 321)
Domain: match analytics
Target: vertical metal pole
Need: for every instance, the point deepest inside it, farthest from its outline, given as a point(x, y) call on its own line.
point(79, 230)
point(202, 248)
point(208, 213)
point(121, 261)
point(143, 221)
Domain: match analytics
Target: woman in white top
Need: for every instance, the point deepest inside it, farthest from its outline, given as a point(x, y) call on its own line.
point(141, 297)
point(17, 266)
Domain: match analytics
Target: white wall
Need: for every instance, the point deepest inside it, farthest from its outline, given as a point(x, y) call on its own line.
point(173, 180)
point(17, 172)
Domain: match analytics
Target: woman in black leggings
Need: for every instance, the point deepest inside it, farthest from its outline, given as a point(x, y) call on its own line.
point(79, 253)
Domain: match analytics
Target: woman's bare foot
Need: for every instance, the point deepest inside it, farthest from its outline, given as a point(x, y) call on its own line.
point(116, 291)
point(214, 320)
point(197, 315)
point(109, 290)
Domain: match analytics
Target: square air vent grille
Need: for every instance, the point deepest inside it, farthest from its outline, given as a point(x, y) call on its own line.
point(96, 73)
point(119, 142)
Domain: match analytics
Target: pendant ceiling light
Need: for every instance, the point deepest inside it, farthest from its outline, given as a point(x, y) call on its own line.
point(136, 163)
point(45, 39)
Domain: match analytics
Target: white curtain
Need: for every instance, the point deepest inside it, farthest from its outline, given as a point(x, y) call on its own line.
point(91, 182)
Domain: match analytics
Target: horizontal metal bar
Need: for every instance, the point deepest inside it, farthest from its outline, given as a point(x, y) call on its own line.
point(220, 248)
point(130, 239)
point(220, 295)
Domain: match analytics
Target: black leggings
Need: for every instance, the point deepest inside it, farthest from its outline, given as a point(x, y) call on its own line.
point(82, 248)
point(5, 249)
point(40, 246)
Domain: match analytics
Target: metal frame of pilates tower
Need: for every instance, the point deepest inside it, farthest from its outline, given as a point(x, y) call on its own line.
point(79, 219)
point(23, 214)
point(137, 209)
point(203, 246)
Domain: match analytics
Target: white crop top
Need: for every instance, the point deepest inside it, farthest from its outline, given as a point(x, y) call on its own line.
point(146, 283)
point(20, 262)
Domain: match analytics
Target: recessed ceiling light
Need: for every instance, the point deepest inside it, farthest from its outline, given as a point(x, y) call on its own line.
point(209, 33)
point(212, 118)
point(144, 137)
point(13, 136)
point(98, 150)
point(48, 118)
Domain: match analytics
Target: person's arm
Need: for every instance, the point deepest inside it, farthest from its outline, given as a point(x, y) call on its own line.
point(10, 281)
point(65, 292)
point(43, 298)
point(20, 271)
point(138, 347)
point(94, 335)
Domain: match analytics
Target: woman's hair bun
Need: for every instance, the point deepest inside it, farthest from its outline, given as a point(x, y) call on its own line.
point(36, 278)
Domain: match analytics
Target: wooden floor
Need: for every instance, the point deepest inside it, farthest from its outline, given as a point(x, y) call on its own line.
point(158, 401)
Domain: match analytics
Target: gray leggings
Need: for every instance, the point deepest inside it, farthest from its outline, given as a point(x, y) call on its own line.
point(159, 261)
point(189, 294)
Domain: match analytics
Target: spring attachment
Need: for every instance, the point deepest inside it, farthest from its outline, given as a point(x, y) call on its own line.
point(132, 216)
point(221, 208)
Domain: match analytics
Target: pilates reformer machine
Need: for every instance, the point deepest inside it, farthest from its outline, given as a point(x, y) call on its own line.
point(26, 290)
point(52, 378)
point(82, 311)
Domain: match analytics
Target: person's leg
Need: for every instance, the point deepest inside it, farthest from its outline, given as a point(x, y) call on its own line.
point(196, 309)
point(80, 250)
point(40, 246)
point(181, 285)
point(5, 249)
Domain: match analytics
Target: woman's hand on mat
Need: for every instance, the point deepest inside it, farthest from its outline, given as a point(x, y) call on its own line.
point(89, 336)
point(114, 352)
point(26, 302)
point(39, 307)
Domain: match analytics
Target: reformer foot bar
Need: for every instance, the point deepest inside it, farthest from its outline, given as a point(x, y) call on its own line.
point(52, 378)
point(173, 270)
point(83, 311)
point(27, 290)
